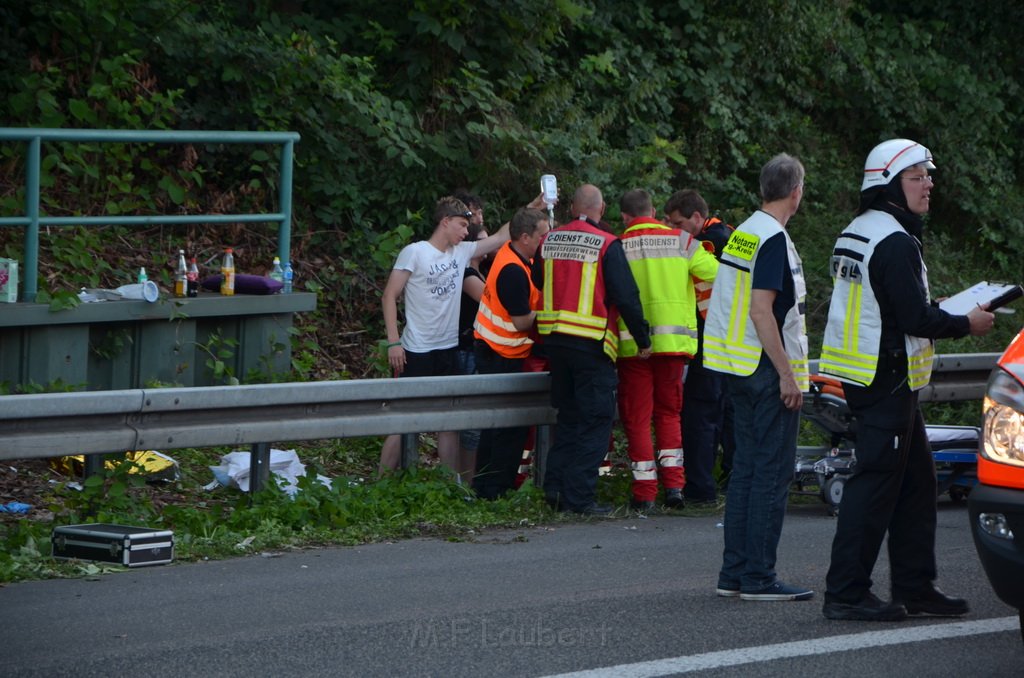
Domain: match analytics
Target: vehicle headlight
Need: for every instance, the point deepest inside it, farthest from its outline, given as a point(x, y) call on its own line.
point(1003, 433)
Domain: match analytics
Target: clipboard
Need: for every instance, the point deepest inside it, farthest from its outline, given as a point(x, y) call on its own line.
point(994, 294)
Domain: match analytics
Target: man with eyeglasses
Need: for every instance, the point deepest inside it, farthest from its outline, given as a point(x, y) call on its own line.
point(429, 273)
point(879, 341)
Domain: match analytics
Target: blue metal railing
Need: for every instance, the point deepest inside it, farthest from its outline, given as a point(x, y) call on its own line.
point(32, 220)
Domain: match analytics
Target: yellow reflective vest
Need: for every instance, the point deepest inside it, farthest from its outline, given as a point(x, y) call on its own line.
point(662, 260)
point(731, 344)
point(854, 331)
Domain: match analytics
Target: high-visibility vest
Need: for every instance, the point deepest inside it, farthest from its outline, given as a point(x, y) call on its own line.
point(853, 333)
point(702, 288)
point(662, 260)
point(573, 298)
point(493, 321)
point(731, 344)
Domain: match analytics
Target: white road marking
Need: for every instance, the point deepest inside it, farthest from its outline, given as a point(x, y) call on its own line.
point(799, 648)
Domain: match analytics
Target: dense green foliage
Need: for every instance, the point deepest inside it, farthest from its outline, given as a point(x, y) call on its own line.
point(400, 102)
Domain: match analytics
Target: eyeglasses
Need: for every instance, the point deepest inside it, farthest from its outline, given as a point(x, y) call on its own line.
point(921, 179)
point(465, 215)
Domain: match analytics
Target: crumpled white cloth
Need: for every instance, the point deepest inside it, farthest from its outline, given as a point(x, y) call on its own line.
point(233, 470)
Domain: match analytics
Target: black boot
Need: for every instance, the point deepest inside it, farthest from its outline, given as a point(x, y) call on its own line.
point(933, 602)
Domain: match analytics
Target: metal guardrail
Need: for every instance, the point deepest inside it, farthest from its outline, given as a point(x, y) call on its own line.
point(955, 376)
point(51, 424)
point(32, 220)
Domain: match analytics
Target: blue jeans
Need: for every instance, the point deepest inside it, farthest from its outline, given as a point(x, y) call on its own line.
point(762, 472)
point(466, 362)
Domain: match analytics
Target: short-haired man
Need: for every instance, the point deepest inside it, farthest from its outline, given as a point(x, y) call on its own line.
point(756, 335)
point(586, 283)
point(503, 341)
point(707, 415)
point(664, 261)
point(429, 273)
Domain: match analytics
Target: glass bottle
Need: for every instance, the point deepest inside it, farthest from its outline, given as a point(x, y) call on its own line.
point(181, 276)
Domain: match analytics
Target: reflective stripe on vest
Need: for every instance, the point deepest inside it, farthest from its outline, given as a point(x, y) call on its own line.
point(853, 333)
point(731, 344)
point(493, 321)
point(573, 257)
point(702, 290)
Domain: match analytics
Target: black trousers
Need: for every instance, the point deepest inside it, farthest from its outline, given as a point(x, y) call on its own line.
point(500, 449)
point(892, 491)
point(706, 425)
point(583, 385)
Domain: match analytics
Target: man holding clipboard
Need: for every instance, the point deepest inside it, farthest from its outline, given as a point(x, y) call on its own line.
point(879, 341)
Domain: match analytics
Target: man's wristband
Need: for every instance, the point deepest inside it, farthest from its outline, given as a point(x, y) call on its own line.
point(394, 343)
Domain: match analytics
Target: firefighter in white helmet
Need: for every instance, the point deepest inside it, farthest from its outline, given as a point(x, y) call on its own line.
point(878, 340)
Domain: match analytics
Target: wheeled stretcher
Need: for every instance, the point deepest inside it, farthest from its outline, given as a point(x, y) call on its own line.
point(823, 470)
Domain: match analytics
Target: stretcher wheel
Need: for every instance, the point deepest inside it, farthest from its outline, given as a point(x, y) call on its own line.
point(834, 491)
point(958, 494)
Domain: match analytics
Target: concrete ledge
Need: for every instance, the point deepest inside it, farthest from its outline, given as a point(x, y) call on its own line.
point(206, 305)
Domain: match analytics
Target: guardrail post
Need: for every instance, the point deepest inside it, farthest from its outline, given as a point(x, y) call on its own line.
point(410, 449)
point(93, 465)
point(259, 467)
point(541, 444)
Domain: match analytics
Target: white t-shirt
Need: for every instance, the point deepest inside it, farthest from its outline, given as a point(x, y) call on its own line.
point(433, 294)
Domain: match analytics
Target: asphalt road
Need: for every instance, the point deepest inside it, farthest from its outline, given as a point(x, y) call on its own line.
point(623, 597)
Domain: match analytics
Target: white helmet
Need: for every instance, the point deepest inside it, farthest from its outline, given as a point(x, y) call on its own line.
point(889, 158)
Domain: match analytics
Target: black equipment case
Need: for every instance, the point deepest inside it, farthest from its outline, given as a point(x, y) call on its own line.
point(121, 544)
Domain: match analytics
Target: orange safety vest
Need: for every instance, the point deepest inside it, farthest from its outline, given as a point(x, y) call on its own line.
point(701, 288)
point(573, 298)
point(493, 321)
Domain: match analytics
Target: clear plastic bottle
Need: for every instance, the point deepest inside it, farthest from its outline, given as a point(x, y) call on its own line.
point(181, 276)
point(289, 277)
point(227, 273)
point(192, 279)
point(277, 273)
